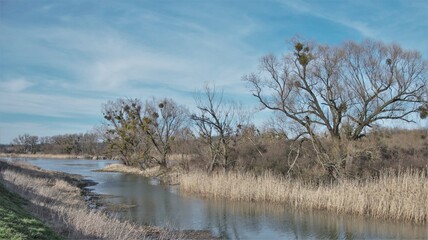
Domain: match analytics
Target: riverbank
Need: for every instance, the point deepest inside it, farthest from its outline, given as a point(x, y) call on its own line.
point(396, 197)
point(57, 200)
point(168, 176)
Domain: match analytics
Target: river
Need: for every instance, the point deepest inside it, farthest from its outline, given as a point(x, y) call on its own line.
point(159, 205)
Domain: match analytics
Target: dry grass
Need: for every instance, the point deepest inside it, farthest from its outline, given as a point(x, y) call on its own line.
point(60, 204)
point(167, 176)
point(405, 139)
point(402, 196)
point(117, 167)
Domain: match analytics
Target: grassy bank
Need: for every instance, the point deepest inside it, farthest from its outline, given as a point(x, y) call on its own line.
point(402, 196)
point(17, 223)
point(59, 204)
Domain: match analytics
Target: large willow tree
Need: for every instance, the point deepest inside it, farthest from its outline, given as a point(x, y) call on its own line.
point(342, 91)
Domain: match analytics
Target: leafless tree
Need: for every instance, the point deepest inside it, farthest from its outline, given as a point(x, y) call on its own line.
point(341, 90)
point(77, 143)
point(165, 119)
point(217, 122)
point(26, 143)
point(90, 143)
point(384, 82)
point(67, 143)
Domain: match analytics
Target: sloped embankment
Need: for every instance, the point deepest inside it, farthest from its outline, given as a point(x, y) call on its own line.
point(17, 223)
point(55, 199)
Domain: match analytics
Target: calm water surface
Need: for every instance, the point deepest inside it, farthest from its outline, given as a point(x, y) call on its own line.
point(164, 206)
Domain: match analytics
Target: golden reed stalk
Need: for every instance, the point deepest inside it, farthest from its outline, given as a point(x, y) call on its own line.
point(402, 196)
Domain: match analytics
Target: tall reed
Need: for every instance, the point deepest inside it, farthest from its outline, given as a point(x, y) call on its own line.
point(395, 196)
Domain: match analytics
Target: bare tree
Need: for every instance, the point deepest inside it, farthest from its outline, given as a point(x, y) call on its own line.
point(77, 143)
point(164, 119)
point(67, 143)
point(384, 82)
point(321, 88)
point(26, 143)
point(90, 143)
point(217, 123)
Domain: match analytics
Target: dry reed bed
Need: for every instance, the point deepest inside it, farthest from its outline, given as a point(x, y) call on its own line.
point(166, 176)
point(402, 196)
point(118, 167)
point(61, 205)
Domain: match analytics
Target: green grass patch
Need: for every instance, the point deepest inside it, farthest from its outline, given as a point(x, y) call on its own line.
point(16, 223)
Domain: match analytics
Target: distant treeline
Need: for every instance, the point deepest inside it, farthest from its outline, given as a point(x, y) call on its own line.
point(79, 143)
point(254, 150)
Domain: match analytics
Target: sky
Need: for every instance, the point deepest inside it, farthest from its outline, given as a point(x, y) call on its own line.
point(61, 60)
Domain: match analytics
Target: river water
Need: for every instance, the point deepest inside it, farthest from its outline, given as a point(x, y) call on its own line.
point(159, 205)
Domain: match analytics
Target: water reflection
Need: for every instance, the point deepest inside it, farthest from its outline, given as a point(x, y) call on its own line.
point(238, 220)
point(159, 205)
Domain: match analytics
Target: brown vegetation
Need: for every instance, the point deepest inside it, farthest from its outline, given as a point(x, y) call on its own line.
point(166, 176)
point(380, 149)
point(396, 196)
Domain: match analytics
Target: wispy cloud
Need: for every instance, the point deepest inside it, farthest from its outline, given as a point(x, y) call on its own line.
point(330, 13)
point(49, 105)
point(393, 21)
point(103, 60)
point(15, 85)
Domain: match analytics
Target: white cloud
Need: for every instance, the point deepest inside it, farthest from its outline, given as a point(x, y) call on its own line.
point(332, 14)
point(104, 60)
point(15, 85)
point(49, 105)
point(399, 21)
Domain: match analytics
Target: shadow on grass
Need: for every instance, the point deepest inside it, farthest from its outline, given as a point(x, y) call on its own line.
point(17, 223)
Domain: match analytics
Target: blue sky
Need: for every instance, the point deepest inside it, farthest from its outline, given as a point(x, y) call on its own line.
point(61, 60)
